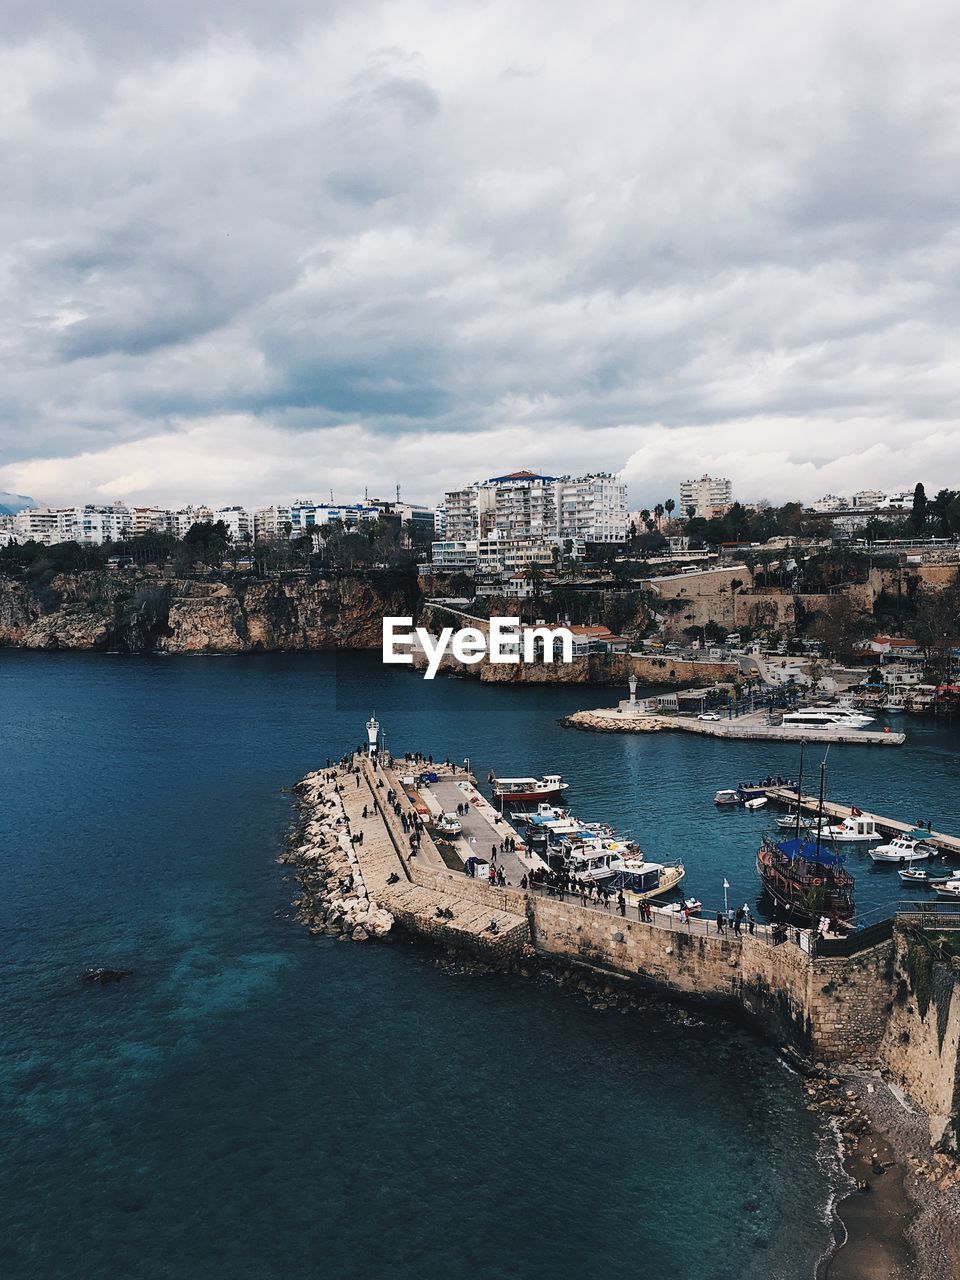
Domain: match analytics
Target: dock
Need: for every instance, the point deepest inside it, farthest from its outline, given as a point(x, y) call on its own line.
point(752, 727)
point(889, 826)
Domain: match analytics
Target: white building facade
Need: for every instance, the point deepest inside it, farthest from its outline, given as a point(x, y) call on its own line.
point(709, 496)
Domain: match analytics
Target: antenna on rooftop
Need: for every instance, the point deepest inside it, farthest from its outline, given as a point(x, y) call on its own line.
point(398, 493)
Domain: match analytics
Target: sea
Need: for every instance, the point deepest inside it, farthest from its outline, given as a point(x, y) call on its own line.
point(252, 1102)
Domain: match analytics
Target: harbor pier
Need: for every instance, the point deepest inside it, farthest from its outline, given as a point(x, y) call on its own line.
point(754, 726)
point(847, 999)
point(945, 844)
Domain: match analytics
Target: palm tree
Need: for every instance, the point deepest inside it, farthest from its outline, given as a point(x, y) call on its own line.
point(669, 506)
point(658, 512)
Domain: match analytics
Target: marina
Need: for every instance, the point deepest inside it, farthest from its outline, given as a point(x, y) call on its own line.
point(939, 841)
point(752, 727)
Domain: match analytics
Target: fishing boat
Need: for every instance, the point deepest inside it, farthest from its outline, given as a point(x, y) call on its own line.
point(728, 796)
point(548, 789)
point(916, 875)
point(803, 880)
point(905, 848)
point(448, 825)
point(949, 889)
point(544, 812)
point(641, 880)
point(693, 907)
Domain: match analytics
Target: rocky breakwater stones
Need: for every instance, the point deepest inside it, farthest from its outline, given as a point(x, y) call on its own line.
point(333, 898)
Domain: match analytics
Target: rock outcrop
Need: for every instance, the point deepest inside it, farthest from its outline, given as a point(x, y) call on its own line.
point(140, 612)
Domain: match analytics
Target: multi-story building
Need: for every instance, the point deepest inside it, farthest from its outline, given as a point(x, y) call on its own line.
point(38, 524)
point(150, 520)
point(187, 517)
point(271, 524)
point(592, 509)
point(710, 496)
point(238, 522)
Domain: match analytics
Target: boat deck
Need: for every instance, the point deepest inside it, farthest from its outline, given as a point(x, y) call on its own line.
point(889, 826)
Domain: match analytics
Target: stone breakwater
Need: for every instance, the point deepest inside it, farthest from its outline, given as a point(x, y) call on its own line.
point(334, 899)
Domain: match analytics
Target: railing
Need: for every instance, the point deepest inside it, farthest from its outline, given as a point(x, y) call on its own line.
point(930, 915)
point(870, 936)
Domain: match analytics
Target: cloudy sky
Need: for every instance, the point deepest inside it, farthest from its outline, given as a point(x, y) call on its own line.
point(254, 251)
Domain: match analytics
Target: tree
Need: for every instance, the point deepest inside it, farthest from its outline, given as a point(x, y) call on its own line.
point(658, 512)
point(918, 514)
point(669, 506)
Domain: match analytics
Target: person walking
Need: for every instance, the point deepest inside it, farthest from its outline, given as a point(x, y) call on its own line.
point(738, 921)
point(721, 923)
point(621, 903)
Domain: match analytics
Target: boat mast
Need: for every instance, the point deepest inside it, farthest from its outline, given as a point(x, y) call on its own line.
point(799, 789)
point(823, 770)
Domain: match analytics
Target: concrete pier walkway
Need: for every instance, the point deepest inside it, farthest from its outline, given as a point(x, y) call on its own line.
point(752, 727)
point(889, 826)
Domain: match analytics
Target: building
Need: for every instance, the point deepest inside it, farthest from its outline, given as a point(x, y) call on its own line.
point(271, 524)
point(37, 524)
point(710, 497)
point(238, 521)
point(184, 519)
point(145, 520)
point(521, 518)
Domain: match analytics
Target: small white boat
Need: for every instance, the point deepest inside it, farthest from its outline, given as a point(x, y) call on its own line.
point(727, 796)
point(756, 803)
point(901, 849)
point(853, 830)
point(916, 875)
point(948, 889)
point(448, 825)
point(693, 905)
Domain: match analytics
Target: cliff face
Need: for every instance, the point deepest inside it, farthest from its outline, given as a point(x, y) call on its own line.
point(141, 613)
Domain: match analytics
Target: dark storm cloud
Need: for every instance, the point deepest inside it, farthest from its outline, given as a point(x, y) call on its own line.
point(418, 227)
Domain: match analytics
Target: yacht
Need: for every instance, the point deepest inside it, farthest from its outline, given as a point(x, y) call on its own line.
point(904, 848)
point(825, 717)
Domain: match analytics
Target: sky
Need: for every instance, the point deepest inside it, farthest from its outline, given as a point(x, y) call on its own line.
point(252, 252)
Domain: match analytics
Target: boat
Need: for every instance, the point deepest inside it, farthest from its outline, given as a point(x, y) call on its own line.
point(916, 875)
point(448, 825)
point(527, 790)
point(692, 905)
point(826, 717)
point(894, 706)
point(756, 803)
point(641, 880)
point(905, 848)
point(543, 812)
point(803, 880)
point(949, 889)
point(727, 796)
point(594, 864)
point(855, 829)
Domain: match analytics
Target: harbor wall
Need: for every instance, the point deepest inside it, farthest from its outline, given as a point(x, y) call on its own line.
point(831, 1008)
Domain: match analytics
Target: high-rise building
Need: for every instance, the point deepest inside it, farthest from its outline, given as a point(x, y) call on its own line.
point(238, 522)
point(710, 496)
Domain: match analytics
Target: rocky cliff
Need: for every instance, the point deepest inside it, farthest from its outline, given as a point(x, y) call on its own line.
point(139, 612)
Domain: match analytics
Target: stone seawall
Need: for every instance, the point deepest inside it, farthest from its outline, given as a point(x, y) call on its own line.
point(872, 1008)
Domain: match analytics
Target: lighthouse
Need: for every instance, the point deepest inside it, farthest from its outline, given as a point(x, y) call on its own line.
point(373, 737)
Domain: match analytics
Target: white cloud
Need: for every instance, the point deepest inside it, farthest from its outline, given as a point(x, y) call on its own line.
point(362, 244)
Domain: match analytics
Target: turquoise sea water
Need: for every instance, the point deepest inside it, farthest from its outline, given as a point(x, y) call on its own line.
point(256, 1103)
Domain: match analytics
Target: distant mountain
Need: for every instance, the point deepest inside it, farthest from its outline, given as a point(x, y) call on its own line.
point(11, 503)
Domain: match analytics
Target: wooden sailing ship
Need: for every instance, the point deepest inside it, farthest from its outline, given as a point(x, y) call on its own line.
point(803, 880)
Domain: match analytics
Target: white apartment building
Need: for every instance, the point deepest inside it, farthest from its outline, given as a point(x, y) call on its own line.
point(270, 523)
point(537, 509)
point(306, 515)
point(238, 521)
point(37, 524)
point(150, 520)
point(709, 496)
point(187, 517)
point(89, 525)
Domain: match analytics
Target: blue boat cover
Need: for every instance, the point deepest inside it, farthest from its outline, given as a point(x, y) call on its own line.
point(807, 850)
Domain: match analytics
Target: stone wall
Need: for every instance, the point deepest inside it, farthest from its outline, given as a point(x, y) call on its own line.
point(834, 1009)
point(922, 1051)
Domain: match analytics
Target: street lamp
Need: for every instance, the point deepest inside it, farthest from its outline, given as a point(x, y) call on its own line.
point(466, 763)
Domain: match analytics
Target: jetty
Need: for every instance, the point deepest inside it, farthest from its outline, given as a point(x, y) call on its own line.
point(755, 726)
point(369, 868)
point(889, 826)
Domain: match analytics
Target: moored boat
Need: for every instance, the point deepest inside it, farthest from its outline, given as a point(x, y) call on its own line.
point(642, 880)
point(727, 796)
point(448, 825)
point(548, 789)
point(948, 889)
point(916, 875)
point(903, 849)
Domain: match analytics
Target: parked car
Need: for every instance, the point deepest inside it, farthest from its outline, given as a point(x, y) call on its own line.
point(708, 715)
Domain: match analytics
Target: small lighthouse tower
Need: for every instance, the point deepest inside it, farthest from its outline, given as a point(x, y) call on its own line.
point(373, 737)
point(632, 682)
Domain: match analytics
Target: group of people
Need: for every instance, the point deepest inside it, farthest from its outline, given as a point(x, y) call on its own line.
point(496, 877)
point(735, 920)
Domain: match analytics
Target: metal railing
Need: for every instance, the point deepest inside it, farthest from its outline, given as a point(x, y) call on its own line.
point(930, 915)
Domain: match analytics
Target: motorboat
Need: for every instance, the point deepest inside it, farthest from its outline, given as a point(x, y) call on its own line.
point(641, 880)
point(757, 802)
point(448, 825)
point(728, 796)
point(855, 829)
point(547, 789)
point(594, 865)
point(827, 717)
point(543, 812)
point(948, 889)
point(916, 875)
point(692, 905)
point(904, 848)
